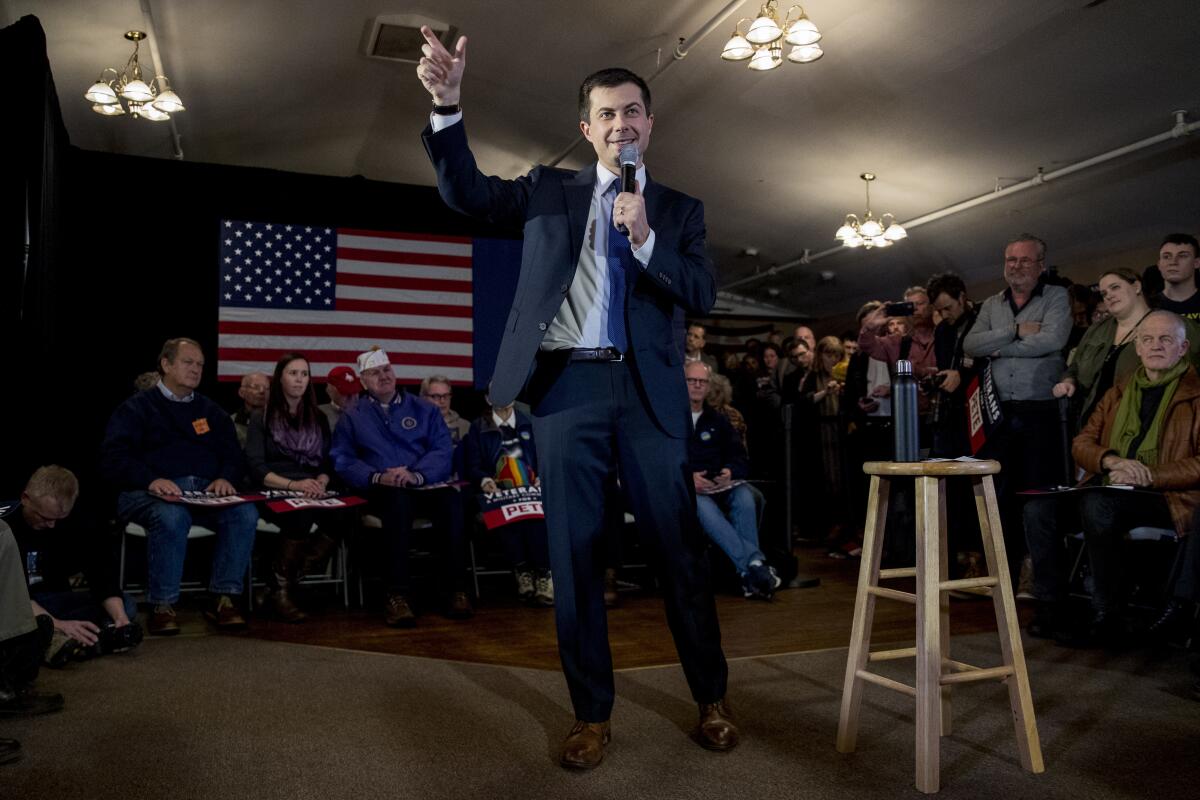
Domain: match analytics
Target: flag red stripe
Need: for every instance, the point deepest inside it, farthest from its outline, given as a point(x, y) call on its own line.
point(359, 331)
point(388, 257)
point(343, 356)
point(419, 309)
point(402, 282)
point(416, 237)
point(222, 378)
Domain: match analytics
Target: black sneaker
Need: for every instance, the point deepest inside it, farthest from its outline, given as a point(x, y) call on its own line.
point(760, 581)
point(118, 640)
point(62, 650)
point(28, 703)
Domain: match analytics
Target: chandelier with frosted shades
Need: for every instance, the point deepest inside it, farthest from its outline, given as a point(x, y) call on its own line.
point(126, 93)
point(764, 39)
point(870, 232)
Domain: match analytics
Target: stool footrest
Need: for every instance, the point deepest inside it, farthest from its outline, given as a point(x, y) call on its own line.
point(898, 572)
point(892, 594)
point(890, 655)
point(887, 683)
point(968, 583)
point(976, 674)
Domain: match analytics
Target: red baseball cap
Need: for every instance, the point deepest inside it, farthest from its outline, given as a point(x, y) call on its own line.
point(344, 380)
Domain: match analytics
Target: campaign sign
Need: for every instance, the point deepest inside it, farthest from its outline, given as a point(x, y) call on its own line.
point(313, 503)
point(511, 505)
point(983, 409)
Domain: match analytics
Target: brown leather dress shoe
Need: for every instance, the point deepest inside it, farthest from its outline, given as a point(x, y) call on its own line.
point(717, 730)
point(225, 615)
point(162, 621)
point(584, 745)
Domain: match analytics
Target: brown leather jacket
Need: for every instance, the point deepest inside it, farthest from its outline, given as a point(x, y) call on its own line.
point(1178, 473)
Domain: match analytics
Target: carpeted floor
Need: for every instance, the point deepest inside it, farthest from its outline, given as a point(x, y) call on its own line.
point(225, 717)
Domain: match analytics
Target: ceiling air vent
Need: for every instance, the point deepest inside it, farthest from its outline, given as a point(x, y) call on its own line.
point(397, 37)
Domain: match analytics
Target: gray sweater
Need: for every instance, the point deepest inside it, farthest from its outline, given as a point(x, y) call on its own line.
point(1026, 368)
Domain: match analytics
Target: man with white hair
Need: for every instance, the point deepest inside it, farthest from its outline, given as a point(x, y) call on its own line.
point(1142, 434)
point(253, 391)
point(394, 446)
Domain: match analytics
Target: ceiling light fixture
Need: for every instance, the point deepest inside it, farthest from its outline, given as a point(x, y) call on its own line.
point(154, 101)
point(870, 232)
point(766, 35)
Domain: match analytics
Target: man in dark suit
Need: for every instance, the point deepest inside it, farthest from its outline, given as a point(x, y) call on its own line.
point(594, 339)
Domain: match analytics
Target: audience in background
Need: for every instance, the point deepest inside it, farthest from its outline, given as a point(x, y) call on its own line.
point(54, 549)
point(720, 399)
point(879, 340)
point(1177, 263)
point(287, 447)
point(437, 390)
point(806, 335)
point(343, 388)
point(159, 444)
point(955, 368)
point(390, 445)
point(147, 380)
point(253, 392)
point(694, 346)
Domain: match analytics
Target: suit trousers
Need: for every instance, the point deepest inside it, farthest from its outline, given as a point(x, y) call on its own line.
point(587, 417)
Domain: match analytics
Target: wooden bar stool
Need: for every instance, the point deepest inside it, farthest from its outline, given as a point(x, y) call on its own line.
point(936, 672)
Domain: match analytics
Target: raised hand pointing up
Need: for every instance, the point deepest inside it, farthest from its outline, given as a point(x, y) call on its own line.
point(440, 72)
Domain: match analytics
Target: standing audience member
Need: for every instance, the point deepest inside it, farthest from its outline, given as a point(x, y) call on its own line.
point(499, 453)
point(53, 550)
point(805, 334)
point(880, 341)
point(727, 513)
point(765, 422)
point(821, 395)
point(287, 447)
point(720, 399)
point(1105, 356)
point(694, 346)
point(159, 444)
point(1022, 330)
point(343, 388)
point(253, 392)
point(955, 368)
point(1177, 263)
point(390, 444)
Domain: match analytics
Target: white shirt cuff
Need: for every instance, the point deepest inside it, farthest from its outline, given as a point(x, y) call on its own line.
point(643, 253)
point(439, 122)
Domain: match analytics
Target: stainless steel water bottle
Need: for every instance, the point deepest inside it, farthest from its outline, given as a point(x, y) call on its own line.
point(904, 413)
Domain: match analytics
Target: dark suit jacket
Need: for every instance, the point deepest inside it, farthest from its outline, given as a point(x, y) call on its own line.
point(551, 207)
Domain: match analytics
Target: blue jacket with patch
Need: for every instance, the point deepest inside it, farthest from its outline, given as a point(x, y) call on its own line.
point(408, 432)
point(715, 445)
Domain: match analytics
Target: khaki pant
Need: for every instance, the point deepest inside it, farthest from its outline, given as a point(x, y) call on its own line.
point(16, 615)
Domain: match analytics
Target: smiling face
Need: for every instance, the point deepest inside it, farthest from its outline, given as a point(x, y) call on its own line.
point(1023, 265)
point(618, 116)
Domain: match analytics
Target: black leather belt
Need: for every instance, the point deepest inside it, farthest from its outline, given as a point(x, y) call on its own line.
point(599, 354)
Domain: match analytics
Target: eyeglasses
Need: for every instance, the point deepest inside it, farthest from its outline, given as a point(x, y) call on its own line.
point(698, 381)
point(1023, 263)
point(440, 396)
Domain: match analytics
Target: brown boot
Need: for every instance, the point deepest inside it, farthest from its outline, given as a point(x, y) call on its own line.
point(584, 745)
point(320, 547)
point(284, 579)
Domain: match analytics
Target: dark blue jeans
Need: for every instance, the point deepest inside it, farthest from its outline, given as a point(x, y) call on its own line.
point(81, 606)
point(167, 525)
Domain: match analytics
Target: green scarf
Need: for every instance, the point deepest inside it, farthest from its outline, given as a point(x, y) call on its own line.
point(1127, 424)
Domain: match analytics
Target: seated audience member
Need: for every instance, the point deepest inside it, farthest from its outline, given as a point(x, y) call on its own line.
point(163, 442)
point(343, 388)
point(253, 392)
point(287, 447)
point(720, 399)
point(1142, 434)
point(1105, 356)
point(1177, 263)
point(23, 640)
point(437, 390)
point(390, 444)
point(499, 453)
point(716, 458)
point(53, 550)
point(694, 346)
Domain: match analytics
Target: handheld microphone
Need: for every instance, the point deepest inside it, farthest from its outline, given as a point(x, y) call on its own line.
point(627, 157)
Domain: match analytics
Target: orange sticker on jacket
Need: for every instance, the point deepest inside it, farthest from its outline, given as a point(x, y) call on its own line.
point(200, 425)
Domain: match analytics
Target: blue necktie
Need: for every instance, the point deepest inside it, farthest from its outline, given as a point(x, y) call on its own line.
point(619, 257)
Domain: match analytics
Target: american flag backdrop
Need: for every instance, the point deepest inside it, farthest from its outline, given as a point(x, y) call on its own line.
point(333, 293)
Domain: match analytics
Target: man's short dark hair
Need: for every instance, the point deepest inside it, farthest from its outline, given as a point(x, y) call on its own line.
point(607, 79)
point(1182, 238)
point(170, 350)
point(946, 283)
point(693, 324)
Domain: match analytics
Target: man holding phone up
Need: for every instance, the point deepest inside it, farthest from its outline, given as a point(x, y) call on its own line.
point(916, 347)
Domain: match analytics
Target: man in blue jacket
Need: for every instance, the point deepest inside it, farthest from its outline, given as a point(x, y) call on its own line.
point(608, 276)
point(395, 447)
point(166, 441)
